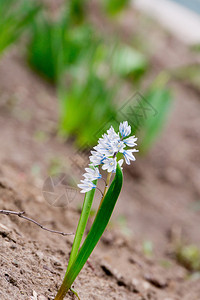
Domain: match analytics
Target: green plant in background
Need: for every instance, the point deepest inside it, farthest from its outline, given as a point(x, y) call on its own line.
point(57, 43)
point(149, 115)
point(188, 256)
point(113, 7)
point(84, 109)
point(15, 16)
point(93, 83)
point(148, 248)
point(123, 226)
point(88, 71)
point(107, 155)
point(127, 62)
point(77, 10)
point(73, 57)
point(87, 102)
point(48, 45)
point(41, 54)
point(189, 74)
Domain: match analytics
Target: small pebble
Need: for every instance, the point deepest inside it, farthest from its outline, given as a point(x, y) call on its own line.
point(15, 263)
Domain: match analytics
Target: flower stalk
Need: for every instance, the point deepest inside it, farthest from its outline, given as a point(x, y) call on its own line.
point(106, 156)
point(106, 187)
point(87, 204)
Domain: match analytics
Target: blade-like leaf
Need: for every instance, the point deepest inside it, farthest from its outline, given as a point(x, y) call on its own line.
point(128, 62)
point(113, 7)
point(160, 99)
point(101, 220)
point(15, 16)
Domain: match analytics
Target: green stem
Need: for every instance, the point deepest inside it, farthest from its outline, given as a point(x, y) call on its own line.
point(106, 187)
point(62, 291)
point(81, 225)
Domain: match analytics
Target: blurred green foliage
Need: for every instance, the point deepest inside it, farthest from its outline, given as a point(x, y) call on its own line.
point(148, 248)
point(127, 62)
point(88, 69)
point(159, 98)
point(76, 10)
point(41, 54)
point(57, 44)
point(195, 47)
point(82, 118)
point(114, 6)
point(123, 225)
point(55, 166)
point(147, 113)
point(15, 16)
point(189, 74)
point(189, 256)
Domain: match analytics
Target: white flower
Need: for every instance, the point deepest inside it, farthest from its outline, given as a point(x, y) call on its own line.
point(129, 156)
point(107, 150)
point(120, 162)
point(105, 154)
point(124, 129)
point(96, 158)
point(112, 134)
point(92, 174)
point(130, 141)
point(119, 146)
point(104, 140)
point(110, 164)
point(86, 186)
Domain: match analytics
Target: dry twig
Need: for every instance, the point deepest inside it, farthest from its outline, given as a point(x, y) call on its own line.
point(21, 215)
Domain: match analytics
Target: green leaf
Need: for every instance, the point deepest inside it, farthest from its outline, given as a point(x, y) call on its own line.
point(40, 50)
point(127, 62)
point(101, 220)
point(15, 16)
point(189, 256)
point(115, 6)
point(160, 100)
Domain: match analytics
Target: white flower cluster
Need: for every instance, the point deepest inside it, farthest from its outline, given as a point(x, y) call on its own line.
point(106, 154)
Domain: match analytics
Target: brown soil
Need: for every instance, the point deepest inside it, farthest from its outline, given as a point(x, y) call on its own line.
point(159, 200)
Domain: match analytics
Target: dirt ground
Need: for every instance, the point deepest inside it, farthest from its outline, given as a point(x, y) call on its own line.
point(159, 203)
